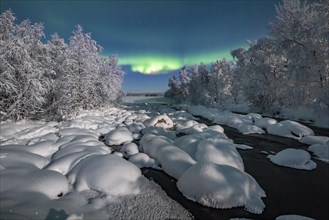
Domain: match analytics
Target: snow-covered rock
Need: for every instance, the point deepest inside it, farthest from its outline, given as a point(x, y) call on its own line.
point(250, 129)
point(221, 186)
point(242, 147)
point(160, 131)
point(136, 127)
point(109, 174)
point(15, 157)
point(143, 160)
point(321, 151)
point(263, 123)
point(191, 127)
point(290, 129)
point(151, 143)
point(219, 153)
point(217, 128)
point(293, 158)
point(160, 121)
point(173, 160)
point(118, 136)
point(27, 179)
point(129, 149)
point(293, 217)
point(314, 140)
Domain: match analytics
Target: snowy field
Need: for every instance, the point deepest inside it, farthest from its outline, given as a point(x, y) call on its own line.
point(89, 167)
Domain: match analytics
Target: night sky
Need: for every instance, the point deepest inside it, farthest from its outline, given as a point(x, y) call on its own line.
point(154, 39)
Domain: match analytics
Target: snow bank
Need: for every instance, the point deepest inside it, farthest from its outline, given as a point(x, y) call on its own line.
point(221, 186)
point(321, 151)
point(293, 158)
point(290, 129)
point(118, 136)
point(109, 174)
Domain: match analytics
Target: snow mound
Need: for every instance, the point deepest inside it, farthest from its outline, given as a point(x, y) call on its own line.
point(242, 147)
point(143, 160)
point(250, 129)
point(118, 136)
point(221, 186)
point(160, 132)
point(160, 121)
point(190, 127)
point(199, 110)
point(293, 217)
point(188, 143)
point(254, 117)
point(27, 179)
point(293, 158)
point(173, 160)
point(290, 129)
point(263, 123)
point(151, 143)
point(321, 151)
point(66, 161)
point(108, 174)
point(314, 140)
point(76, 131)
point(15, 157)
point(129, 149)
point(136, 127)
point(217, 128)
point(218, 153)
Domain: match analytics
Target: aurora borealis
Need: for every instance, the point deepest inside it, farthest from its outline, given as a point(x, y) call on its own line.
point(154, 39)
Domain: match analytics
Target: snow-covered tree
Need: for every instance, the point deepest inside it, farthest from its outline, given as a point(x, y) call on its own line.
point(220, 83)
point(184, 80)
point(301, 30)
point(77, 85)
point(54, 79)
point(174, 90)
point(24, 70)
point(109, 81)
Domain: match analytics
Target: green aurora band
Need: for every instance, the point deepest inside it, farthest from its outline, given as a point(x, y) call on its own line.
point(159, 64)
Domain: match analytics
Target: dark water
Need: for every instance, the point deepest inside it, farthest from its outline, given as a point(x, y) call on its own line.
point(289, 191)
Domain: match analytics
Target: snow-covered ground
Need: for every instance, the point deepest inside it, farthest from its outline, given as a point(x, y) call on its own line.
point(89, 166)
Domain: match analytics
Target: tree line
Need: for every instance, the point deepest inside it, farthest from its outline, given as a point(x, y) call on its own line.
point(56, 79)
point(289, 68)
